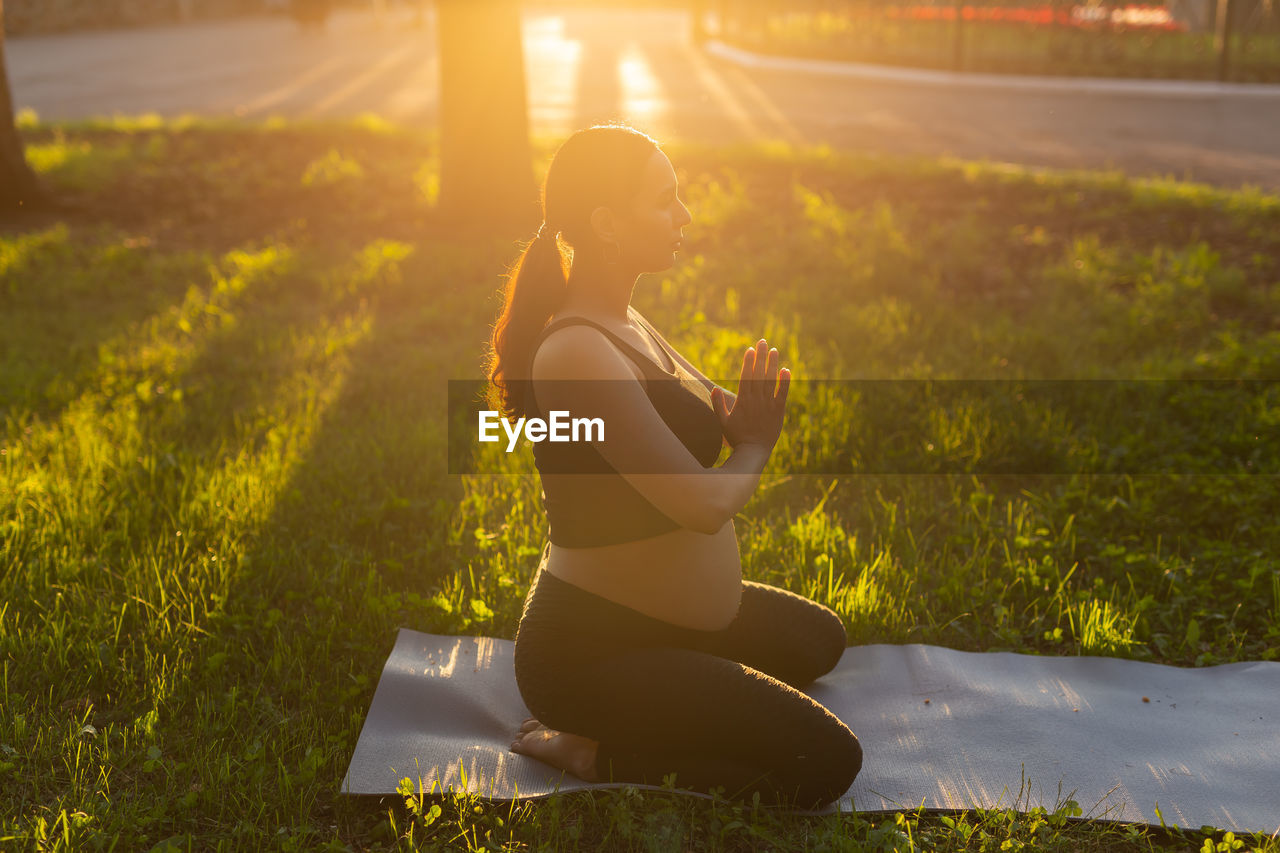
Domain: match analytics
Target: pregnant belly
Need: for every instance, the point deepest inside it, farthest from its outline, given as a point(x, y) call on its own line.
point(683, 577)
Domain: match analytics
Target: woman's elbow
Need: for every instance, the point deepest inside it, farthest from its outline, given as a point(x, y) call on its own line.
point(715, 527)
point(709, 519)
point(705, 529)
point(701, 504)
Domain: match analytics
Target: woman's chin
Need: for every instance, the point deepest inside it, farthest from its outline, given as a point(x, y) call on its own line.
point(660, 266)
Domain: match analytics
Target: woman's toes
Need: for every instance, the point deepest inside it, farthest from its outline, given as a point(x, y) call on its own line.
point(529, 725)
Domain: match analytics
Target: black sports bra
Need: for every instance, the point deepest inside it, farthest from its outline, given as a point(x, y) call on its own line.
point(603, 508)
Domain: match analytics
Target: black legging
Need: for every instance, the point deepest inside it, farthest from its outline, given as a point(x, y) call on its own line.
point(717, 708)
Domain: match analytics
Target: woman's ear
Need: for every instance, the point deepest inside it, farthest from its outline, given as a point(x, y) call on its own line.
point(604, 225)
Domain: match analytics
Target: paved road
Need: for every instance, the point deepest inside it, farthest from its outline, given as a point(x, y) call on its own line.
point(640, 66)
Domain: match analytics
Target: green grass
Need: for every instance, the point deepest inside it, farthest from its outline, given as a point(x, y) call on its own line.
point(223, 487)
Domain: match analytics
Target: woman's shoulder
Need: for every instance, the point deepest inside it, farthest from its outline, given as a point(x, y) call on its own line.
point(578, 351)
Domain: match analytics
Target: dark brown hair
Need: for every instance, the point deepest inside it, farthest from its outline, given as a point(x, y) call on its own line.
point(597, 166)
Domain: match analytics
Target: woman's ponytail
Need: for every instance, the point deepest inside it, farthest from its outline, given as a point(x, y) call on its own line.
point(536, 286)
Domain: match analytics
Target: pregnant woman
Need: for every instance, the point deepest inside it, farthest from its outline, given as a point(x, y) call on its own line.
point(641, 650)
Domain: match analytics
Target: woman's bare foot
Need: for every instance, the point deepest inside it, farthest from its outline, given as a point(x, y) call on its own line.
point(574, 753)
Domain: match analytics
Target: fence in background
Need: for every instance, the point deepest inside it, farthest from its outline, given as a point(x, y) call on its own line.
point(1237, 40)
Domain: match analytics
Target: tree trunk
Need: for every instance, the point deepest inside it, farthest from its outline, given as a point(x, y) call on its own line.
point(19, 189)
point(486, 168)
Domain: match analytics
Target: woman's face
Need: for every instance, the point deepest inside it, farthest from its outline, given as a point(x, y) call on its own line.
point(648, 238)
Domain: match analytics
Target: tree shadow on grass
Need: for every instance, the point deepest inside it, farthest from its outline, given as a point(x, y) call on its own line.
point(286, 396)
point(366, 522)
point(65, 293)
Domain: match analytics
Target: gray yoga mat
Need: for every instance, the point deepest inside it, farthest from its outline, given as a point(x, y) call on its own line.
point(940, 728)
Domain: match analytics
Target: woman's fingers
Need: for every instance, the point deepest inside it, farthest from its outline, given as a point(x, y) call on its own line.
point(718, 405)
point(746, 384)
point(784, 385)
point(759, 366)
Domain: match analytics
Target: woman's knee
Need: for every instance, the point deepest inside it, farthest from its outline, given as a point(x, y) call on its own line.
point(794, 638)
point(828, 776)
point(850, 763)
point(825, 641)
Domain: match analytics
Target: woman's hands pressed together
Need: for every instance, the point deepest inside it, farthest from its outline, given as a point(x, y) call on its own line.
point(756, 417)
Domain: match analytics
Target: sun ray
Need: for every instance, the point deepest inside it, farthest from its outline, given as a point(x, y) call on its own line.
point(642, 92)
point(765, 105)
point(713, 82)
point(363, 80)
point(552, 62)
point(297, 84)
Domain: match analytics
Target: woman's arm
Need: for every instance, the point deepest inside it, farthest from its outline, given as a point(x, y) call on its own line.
point(638, 443)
